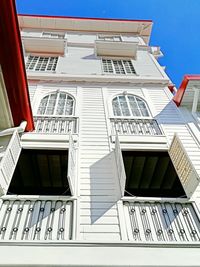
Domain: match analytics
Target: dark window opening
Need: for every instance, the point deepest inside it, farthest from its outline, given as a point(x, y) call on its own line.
point(151, 174)
point(41, 172)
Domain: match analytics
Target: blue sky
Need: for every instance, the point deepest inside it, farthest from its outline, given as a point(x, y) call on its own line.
point(176, 26)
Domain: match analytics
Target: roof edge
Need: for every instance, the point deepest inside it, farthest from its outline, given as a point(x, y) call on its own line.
point(181, 91)
point(13, 67)
point(84, 18)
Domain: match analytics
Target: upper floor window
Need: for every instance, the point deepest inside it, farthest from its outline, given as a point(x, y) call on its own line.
point(118, 66)
point(129, 105)
point(113, 38)
point(52, 35)
point(57, 103)
point(39, 63)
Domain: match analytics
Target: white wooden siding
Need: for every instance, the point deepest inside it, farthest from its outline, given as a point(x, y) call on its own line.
point(32, 89)
point(98, 209)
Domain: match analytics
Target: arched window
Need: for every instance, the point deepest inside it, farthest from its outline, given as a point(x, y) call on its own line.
point(57, 103)
point(129, 105)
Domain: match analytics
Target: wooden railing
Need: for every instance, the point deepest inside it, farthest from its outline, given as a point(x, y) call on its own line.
point(55, 124)
point(134, 126)
point(162, 221)
point(35, 220)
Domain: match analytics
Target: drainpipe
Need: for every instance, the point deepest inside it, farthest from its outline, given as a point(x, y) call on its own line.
point(19, 129)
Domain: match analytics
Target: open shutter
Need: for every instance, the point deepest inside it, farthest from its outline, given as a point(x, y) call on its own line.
point(186, 172)
point(120, 165)
point(71, 174)
point(9, 161)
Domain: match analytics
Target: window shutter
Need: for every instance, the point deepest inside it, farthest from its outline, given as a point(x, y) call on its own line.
point(184, 167)
point(120, 165)
point(9, 162)
point(71, 174)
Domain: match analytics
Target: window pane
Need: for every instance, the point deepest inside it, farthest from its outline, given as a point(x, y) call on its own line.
point(124, 106)
point(41, 63)
point(142, 107)
point(129, 105)
point(43, 105)
point(116, 108)
point(69, 106)
point(119, 69)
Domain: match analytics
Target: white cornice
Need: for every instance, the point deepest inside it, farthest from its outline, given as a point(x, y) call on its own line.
point(61, 77)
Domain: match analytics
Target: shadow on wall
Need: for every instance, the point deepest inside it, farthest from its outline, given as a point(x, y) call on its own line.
point(90, 57)
point(170, 115)
point(104, 189)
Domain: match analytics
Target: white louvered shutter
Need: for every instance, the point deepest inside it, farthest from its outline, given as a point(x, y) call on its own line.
point(184, 167)
point(71, 174)
point(9, 162)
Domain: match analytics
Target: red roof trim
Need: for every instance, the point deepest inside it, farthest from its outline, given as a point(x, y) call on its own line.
point(12, 63)
point(180, 93)
point(86, 18)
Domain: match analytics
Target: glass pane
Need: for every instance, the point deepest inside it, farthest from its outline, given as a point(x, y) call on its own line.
point(43, 105)
point(116, 108)
point(69, 106)
point(142, 107)
point(124, 106)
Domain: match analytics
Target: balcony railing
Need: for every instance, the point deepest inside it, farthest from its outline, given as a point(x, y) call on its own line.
point(35, 220)
point(134, 127)
point(55, 125)
point(162, 222)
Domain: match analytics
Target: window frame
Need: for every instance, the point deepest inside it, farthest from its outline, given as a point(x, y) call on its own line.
point(129, 107)
point(37, 62)
point(114, 69)
point(57, 98)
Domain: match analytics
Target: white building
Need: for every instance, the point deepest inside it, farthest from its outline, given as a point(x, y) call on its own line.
point(110, 175)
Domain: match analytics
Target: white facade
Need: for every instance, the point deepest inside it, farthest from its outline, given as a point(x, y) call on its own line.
point(98, 93)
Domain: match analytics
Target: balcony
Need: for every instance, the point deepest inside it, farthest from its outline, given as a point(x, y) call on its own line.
point(136, 130)
point(55, 125)
point(105, 47)
point(44, 44)
point(159, 221)
point(36, 219)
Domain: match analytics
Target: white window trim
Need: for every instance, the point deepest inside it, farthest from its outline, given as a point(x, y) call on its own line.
point(113, 68)
point(56, 104)
point(47, 56)
point(42, 91)
point(131, 116)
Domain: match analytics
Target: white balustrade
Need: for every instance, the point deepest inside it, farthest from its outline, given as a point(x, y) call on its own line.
point(162, 221)
point(134, 126)
point(55, 125)
point(35, 220)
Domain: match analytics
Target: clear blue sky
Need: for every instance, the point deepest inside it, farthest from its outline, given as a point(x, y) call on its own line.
point(176, 26)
